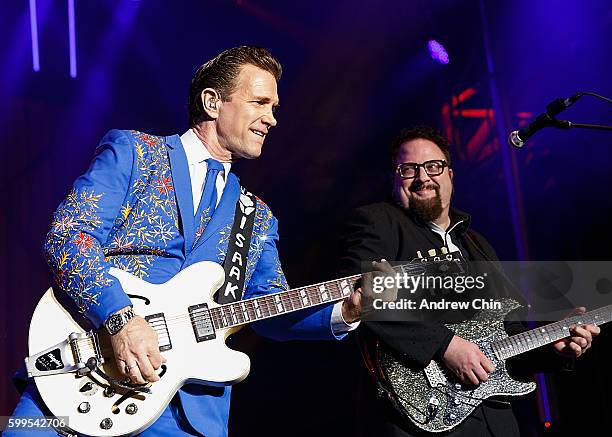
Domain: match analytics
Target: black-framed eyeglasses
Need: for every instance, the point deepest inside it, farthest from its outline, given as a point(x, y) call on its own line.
point(409, 170)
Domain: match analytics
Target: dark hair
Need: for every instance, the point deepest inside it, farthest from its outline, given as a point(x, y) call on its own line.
point(420, 131)
point(220, 73)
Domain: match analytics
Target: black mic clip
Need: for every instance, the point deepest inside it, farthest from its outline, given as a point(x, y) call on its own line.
point(559, 105)
point(518, 138)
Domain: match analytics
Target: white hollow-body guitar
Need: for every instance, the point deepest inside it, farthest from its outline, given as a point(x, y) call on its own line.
point(74, 368)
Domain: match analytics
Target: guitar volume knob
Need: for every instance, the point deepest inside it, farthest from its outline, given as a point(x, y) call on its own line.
point(432, 407)
point(131, 409)
point(84, 407)
point(106, 423)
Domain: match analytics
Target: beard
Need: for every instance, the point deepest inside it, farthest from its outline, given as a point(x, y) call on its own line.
point(427, 210)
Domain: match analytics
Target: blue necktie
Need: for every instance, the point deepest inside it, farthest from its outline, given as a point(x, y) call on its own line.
point(208, 202)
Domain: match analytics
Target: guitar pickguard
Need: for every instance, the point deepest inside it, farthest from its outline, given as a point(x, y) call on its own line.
point(433, 398)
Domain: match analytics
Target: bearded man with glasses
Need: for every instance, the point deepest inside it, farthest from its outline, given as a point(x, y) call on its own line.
point(416, 221)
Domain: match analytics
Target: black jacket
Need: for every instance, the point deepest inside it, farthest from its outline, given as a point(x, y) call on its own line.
point(384, 230)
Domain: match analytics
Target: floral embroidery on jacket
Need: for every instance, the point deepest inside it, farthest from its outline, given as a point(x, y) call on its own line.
point(201, 227)
point(224, 235)
point(263, 221)
point(146, 223)
point(74, 254)
point(150, 217)
point(80, 247)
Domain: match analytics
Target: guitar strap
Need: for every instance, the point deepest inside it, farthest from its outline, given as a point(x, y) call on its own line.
point(238, 248)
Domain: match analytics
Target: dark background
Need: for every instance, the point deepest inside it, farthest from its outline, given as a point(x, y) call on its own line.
point(354, 74)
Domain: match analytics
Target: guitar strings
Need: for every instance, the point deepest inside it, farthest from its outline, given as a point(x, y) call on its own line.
point(534, 338)
point(265, 303)
point(405, 268)
point(293, 297)
point(215, 314)
point(215, 317)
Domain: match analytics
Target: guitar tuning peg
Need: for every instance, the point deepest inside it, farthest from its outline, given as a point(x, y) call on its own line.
point(431, 252)
point(444, 250)
point(419, 254)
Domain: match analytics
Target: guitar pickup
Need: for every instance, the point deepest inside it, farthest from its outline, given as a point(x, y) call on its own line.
point(201, 322)
point(159, 325)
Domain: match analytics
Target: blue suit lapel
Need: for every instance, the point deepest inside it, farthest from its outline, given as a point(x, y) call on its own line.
point(224, 213)
point(182, 188)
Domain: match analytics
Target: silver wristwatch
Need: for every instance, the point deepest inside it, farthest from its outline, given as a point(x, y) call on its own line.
point(116, 322)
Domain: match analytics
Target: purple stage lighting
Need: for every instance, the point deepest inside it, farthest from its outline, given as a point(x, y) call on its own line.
point(34, 34)
point(437, 52)
point(72, 39)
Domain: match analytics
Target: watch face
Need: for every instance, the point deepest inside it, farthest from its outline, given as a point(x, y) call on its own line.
point(114, 323)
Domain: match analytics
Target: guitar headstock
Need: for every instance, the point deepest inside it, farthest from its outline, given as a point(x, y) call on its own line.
point(442, 263)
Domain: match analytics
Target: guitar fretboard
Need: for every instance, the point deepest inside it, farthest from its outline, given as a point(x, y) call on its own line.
point(259, 308)
point(529, 340)
point(271, 305)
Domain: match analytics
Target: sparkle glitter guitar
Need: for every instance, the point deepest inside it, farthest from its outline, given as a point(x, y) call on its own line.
point(434, 400)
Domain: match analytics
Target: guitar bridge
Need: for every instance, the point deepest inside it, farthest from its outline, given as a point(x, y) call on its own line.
point(70, 355)
point(435, 375)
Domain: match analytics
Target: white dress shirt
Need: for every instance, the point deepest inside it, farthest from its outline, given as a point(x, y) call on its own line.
point(197, 154)
point(446, 235)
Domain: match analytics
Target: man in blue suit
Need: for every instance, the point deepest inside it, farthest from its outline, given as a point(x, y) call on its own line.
point(142, 206)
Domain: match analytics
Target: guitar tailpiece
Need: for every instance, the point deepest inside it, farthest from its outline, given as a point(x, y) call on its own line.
point(66, 356)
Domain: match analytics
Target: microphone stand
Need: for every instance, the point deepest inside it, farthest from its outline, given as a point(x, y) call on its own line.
point(559, 105)
point(566, 124)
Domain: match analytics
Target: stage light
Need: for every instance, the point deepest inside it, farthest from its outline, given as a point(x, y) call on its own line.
point(34, 35)
point(72, 39)
point(438, 52)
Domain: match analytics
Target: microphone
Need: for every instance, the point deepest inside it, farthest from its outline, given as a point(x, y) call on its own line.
point(518, 138)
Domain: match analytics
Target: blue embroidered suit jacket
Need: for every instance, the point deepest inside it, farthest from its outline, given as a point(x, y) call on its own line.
point(133, 209)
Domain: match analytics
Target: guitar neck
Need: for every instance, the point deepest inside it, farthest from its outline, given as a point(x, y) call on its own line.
point(276, 304)
point(535, 338)
point(272, 305)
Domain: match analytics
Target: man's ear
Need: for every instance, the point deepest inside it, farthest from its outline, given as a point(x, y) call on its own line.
point(210, 102)
point(451, 174)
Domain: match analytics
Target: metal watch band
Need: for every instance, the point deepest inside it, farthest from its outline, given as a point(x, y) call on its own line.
point(116, 322)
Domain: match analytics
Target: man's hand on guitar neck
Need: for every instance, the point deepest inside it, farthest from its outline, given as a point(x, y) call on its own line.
point(136, 351)
point(467, 361)
point(575, 345)
point(360, 302)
